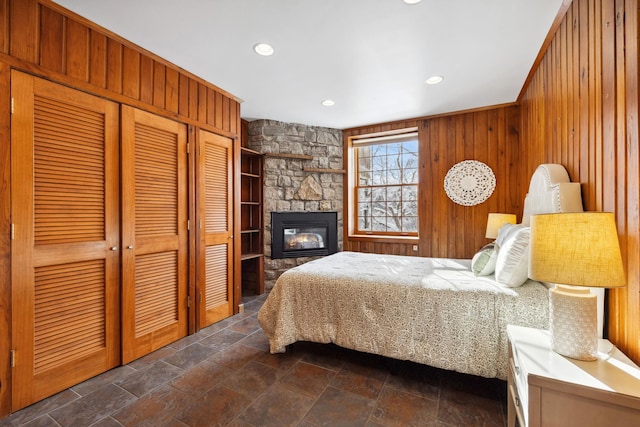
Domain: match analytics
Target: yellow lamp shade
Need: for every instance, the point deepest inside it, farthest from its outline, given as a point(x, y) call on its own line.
point(579, 249)
point(497, 220)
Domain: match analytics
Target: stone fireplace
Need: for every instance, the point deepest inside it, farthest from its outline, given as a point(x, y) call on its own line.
point(303, 172)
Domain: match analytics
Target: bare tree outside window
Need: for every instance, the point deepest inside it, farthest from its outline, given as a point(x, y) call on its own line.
point(387, 187)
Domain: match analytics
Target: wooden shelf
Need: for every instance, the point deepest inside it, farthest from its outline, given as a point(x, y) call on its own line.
point(325, 170)
point(288, 156)
point(250, 231)
point(249, 151)
point(247, 202)
point(250, 175)
point(245, 257)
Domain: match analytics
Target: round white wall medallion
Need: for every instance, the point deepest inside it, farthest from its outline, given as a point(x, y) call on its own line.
point(469, 182)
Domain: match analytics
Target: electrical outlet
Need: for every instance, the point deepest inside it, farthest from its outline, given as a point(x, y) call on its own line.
point(415, 248)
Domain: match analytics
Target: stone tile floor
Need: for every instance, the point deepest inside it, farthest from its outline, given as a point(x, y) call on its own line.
point(225, 376)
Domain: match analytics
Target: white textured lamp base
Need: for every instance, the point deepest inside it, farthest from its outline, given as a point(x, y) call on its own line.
point(573, 322)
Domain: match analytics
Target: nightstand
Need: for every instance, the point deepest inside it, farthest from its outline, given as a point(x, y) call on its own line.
point(547, 389)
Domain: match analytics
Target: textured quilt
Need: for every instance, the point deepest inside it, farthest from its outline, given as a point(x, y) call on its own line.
point(428, 310)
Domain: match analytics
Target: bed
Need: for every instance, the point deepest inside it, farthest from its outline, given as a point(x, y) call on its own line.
point(432, 311)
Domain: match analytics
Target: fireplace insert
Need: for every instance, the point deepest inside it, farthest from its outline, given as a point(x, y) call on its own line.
point(302, 234)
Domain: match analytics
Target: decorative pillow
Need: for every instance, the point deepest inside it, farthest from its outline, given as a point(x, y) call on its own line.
point(483, 263)
point(512, 264)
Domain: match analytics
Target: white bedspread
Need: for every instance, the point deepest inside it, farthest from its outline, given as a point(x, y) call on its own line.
point(427, 310)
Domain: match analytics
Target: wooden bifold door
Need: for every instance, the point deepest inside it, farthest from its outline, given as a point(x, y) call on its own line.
point(65, 270)
point(100, 236)
point(154, 232)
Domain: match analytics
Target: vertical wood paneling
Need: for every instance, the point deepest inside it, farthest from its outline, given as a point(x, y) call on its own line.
point(598, 66)
point(159, 84)
point(171, 94)
point(52, 31)
point(24, 30)
point(114, 66)
point(98, 59)
point(77, 50)
point(447, 229)
point(146, 80)
point(131, 73)
point(4, 26)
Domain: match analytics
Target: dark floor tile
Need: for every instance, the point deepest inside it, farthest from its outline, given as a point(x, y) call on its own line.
point(418, 379)
point(222, 339)
point(362, 385)
point(43, 421)
point(96, 383)
point(246, 326)
point(110, 422)
point(190, 356)
point(307, 379)
point(216, 327)
point(339, 408)
point(36, 410)
point(325, 355)
point(398, 408)
point(470, 400)
point(281, 361)
point(93, 407)
point(156, 408)
point(252, 380)
point(257, 340)
point(236, 356)
point(218, 407)
point(151, 358)
point(277, 407)
point(147, 379)
point(201, 378)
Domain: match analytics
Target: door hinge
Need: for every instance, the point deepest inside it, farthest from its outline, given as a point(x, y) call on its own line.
point(188, 301)
point(12, 104)
point(13, 358)
point(188, 148)
point(188, 224)
point(13, 231)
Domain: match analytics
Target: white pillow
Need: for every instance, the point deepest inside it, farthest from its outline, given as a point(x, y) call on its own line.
point(512, 265)
point(483, 262)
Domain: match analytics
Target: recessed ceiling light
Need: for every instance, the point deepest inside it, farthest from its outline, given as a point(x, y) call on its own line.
point(328, 103)
point(412, 1)
point(434, 80)
point(263, 49)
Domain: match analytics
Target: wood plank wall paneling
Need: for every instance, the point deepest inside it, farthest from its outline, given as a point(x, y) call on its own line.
point(44, 39)
point(448, 229)
point(41, 37)
point(581, 109)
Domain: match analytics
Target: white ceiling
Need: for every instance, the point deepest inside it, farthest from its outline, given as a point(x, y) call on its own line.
point(370, 56)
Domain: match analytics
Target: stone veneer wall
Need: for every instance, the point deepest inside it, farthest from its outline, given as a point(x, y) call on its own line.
point(288, 187)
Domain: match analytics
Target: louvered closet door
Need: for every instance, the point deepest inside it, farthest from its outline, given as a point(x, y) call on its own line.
point(64, 273)
point(216, 201)
point(154, 232)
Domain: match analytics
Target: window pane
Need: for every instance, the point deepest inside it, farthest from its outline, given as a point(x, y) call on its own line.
point(409, 193)
point(394, 193)
point(389, 171)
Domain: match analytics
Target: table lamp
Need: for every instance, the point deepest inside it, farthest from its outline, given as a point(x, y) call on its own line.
point(575, 251)
point(497, 220)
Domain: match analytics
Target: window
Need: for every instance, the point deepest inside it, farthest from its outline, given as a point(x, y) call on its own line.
point(385, 184)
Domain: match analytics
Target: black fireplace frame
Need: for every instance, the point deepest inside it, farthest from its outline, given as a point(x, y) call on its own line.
point(301, 219)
